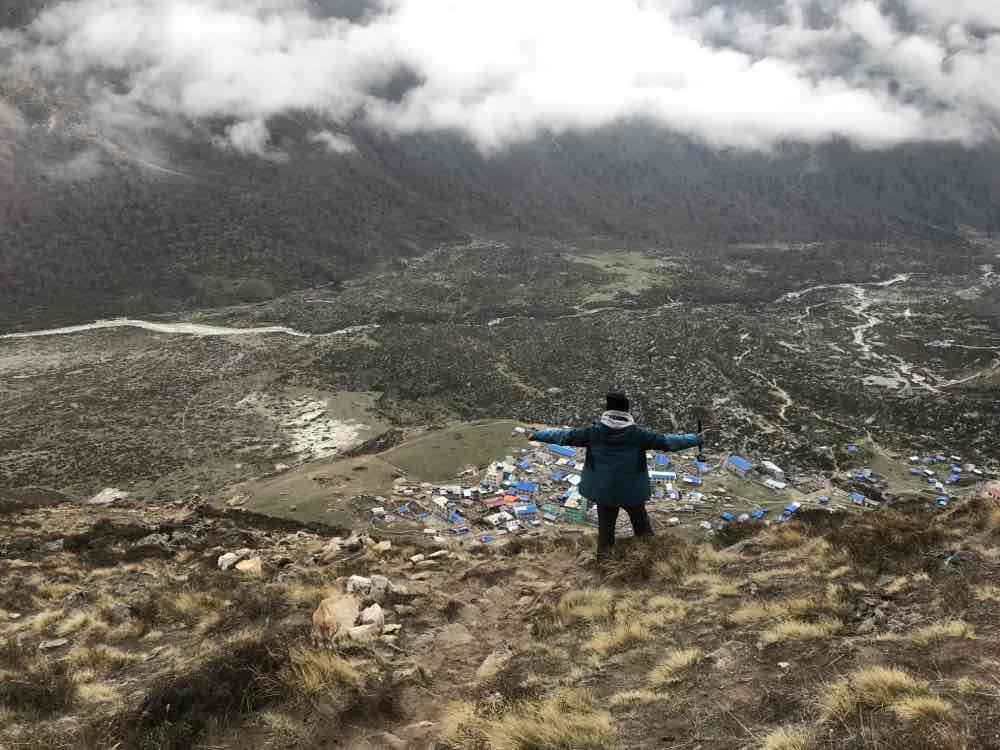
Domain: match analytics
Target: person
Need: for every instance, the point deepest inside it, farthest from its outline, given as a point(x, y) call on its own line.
point(615, 475)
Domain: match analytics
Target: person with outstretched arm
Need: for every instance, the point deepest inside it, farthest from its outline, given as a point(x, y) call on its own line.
point(615, 474)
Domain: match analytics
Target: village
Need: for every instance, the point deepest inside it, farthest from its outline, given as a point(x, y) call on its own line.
point(535, 491)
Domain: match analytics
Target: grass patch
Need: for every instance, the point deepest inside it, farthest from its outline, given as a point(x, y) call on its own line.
point(714, 585)
point(314, 673)
point(672, 665)
point(942, 630)
point(664, 610)
point(785, 536)
point(838, 572)
point(924, 709)
point(569, 720)
point(588, 605)
point(621, 637)
point(664, 556)
point(790, 738)
point(630, 698)
point(881, 540)
point(875, 687)
point(99, 658)
point(799, 630)
point(756, 612)
point(987, 593)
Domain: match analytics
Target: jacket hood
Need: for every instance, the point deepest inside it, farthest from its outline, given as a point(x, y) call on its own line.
point(614, 425)
point(617, 420)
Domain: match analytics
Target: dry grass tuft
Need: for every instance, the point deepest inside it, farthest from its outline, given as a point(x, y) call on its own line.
point(939, 631)
point(589, 605)
point(882, 539)
point(676, 661)
point(98, 693)
point(663, 610)
point(987, 593)
point(630, 698)
point(971, 685)
point(621, 637)
point(99, 658)
point(835, 598)
point(714, 585)
point(662, 556)
point(756, 612)
point(784, 536)
point(314, 673)
point(840, 572)
point(460, 727)
point(285, 731)
point(798, 630)
point(73, 623)
point(924, 709)
point(898, 585)
point(568, 720)
point(790, 738)
point(710, 557)
point(875, 687)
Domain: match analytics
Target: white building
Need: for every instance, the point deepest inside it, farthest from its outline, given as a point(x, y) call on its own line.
point(773, 469)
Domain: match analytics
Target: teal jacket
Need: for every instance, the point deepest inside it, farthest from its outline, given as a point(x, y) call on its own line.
point(615, 473)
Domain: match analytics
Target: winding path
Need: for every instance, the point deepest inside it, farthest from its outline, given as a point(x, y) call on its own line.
point(188, 329)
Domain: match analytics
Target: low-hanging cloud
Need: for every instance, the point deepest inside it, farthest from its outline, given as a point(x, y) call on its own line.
point(500, 72)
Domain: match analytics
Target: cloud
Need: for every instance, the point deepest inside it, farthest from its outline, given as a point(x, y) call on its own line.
point(252, 138)
point(334, 142)
point(501, 72)
point(10, 119)
point(84, 166)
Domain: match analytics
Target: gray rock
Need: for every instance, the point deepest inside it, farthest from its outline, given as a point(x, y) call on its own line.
point(54, 643)
point(373, 615)
point(363, 633)
point(336, 614)
point(56, 546)
point(359, 585)
point(230, 559)
point(107, 496)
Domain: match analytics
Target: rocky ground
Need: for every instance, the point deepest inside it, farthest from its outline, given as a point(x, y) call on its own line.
point(180, 626)
point(780, 349)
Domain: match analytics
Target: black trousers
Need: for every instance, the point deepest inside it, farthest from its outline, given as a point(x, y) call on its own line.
point(608, 517)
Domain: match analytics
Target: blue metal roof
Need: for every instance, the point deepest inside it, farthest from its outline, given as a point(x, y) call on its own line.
point(740, 463)
point(562, 450)
point(526, 486)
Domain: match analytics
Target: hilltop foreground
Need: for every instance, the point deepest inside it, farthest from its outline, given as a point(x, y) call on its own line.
point(119, 628)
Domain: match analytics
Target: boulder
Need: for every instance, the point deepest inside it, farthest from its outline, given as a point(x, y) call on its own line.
point(383, 547)
point(359, 585)
point(381, 586)
point(336, 614)
point(373, 615)
point(363, 633)
point(107, 496)
point(54, 643)
point(229, 559)
point(251, 567)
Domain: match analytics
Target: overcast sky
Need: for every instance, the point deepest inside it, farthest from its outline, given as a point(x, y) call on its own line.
point(503, 70)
